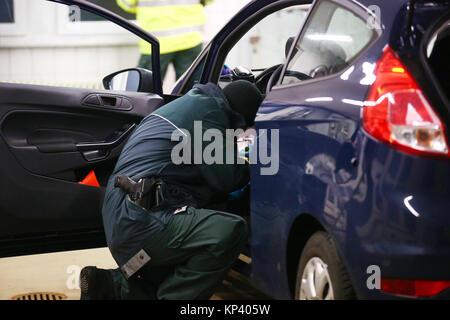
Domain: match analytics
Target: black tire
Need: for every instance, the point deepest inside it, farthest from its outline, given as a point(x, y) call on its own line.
point(321, 245)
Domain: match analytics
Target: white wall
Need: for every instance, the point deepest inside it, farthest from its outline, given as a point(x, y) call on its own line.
point(218, 14)
point(49, 49)
point(45, 48)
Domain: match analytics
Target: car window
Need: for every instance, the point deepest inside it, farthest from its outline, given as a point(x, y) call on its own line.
point(438, 51)
point(111, 5)
point(332, 37)
point(264, 45)
point(69, 48)
point(194, 77)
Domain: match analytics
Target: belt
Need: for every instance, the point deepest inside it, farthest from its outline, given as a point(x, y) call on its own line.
point(151, 194)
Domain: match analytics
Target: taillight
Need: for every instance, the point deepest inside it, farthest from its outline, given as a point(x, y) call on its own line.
point(396, 111)
point(414, 288)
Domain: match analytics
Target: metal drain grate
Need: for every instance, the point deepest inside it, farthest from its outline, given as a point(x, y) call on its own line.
point(40, 296)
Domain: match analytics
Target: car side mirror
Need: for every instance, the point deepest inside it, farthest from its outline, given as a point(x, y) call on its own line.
point(132, 80)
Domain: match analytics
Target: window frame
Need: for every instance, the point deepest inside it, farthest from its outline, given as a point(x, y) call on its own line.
point(232, 38)
point(352, 6)
point(18, 27)
point(67, 27)
point(236, 35)
point(127, 25)
point(302, 7)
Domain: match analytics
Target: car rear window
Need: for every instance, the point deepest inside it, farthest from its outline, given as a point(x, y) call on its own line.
point(438, 53)
point(332, 37)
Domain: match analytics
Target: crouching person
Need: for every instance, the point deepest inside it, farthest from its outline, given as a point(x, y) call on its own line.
point(165, 241)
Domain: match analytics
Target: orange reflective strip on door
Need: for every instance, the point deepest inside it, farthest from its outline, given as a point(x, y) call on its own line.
point(90, 180)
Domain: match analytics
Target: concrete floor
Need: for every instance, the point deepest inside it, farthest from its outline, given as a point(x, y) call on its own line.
point(54, 272)
point(58, 273)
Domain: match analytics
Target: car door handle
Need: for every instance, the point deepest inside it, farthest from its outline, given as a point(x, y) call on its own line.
point(102, 145)
point(107, 101)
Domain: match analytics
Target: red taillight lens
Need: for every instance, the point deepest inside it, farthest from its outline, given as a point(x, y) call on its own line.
point(396, 111)
point(414, 288)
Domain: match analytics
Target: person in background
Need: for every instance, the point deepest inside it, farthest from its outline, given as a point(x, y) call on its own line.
point(178, 26)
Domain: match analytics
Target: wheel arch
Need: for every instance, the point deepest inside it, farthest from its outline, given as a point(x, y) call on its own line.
point(303, 227)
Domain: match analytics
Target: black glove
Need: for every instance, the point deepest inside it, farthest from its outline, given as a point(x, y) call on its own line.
point(203, 2)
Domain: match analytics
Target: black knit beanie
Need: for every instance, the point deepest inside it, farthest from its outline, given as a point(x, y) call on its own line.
point(244, 98)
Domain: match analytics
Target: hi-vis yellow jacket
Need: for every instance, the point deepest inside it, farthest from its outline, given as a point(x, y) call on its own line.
point(176, 23)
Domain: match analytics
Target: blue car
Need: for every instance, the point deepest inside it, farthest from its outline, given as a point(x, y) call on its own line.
point(355, 202)
point(360, 204)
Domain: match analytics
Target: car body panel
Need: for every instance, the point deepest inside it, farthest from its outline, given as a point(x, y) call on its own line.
point(363, 206)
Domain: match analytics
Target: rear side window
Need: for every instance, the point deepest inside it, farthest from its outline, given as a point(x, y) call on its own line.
point(438, 54)
point(332, 37)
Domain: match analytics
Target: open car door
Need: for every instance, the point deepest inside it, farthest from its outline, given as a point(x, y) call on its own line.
point(52, 141)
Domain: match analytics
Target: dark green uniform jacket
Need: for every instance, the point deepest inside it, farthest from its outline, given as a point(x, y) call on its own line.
point(147, 153)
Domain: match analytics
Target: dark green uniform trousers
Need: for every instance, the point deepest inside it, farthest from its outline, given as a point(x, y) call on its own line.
point(197, 247)
point(181, 60)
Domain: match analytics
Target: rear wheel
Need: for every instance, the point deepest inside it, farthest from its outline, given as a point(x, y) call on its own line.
point(321, 275)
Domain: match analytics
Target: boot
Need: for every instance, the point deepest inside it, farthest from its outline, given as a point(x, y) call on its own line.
point(96, 284)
